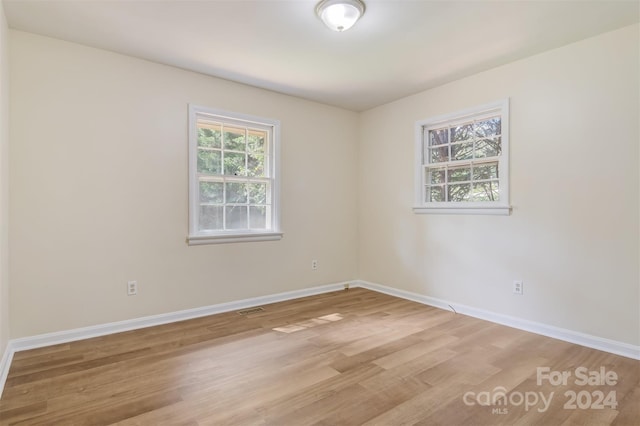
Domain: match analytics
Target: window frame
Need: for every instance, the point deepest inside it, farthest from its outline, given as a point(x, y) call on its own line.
point(500, 207)
point(199, 237)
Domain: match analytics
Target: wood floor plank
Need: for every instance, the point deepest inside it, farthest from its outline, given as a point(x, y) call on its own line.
point(343, 358)
point(414, 351)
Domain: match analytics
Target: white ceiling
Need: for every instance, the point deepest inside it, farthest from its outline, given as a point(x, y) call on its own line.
point(398, 48)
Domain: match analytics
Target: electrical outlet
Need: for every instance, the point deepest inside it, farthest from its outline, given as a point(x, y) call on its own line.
point(132, 288)
point(346, 286)
point(314, 264)
point(518, 287)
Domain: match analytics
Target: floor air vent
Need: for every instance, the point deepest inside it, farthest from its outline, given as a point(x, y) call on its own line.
point(251, 311)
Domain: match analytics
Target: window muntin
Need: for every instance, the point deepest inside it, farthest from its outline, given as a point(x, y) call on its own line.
point(232, 176)
point(463, 160)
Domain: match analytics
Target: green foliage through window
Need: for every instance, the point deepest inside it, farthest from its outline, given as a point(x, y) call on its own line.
point(234, 188)
point(462, 161)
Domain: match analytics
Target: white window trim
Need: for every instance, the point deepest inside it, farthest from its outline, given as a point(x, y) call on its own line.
point(196, 237)
point(501, 207)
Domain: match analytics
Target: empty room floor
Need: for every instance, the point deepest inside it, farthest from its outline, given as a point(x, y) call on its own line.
point(344, 358)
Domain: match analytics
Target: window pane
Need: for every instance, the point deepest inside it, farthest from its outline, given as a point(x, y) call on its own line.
point(488, 147)
point(234, 139)
point(236, 217)
point(490, 127)
point(209, 135)
point(234, 164)
point(486, 191)
point(435, 193)
point(462, 132)
point(485, 171)
point(210, 218)
point(232, 177)
point(459, 174)
point(438, 137)
point(211, 192)
point(258, 193)
point(463, 151)
point(236, 193)
point(459, 192)
point(438, 155)
point(435, 175)
point(461, 159)
point(209, 162)
point(255, 165)
point(258, 217)
point(256, 140)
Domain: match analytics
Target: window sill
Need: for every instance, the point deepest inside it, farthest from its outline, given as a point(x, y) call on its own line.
point(197, 240)
point(489, 210)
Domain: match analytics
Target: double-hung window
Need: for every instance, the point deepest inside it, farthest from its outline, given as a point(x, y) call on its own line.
point(233, 177)
point(462, 161)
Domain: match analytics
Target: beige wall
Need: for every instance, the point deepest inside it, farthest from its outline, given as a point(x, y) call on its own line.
point(573, 234)
point(99, 190)
point(4, 183)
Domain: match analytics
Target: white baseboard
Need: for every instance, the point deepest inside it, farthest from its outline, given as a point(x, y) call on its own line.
point(594, 342)
point(5, 364)
point(33, 342)
point(66, 336)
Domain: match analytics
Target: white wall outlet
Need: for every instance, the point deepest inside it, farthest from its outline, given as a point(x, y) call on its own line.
point(518, 287)
point(132, 288)
point(346, 286)
point(314, 264)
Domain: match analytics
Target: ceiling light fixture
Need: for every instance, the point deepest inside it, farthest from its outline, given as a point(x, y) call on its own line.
point(340, 15)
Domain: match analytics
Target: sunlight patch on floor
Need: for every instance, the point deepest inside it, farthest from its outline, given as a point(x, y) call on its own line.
point(303, 325)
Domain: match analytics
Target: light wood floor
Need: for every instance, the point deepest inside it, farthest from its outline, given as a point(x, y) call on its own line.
point(346, 358)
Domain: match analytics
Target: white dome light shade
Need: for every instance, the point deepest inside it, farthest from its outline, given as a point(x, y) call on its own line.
point(340, 15)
